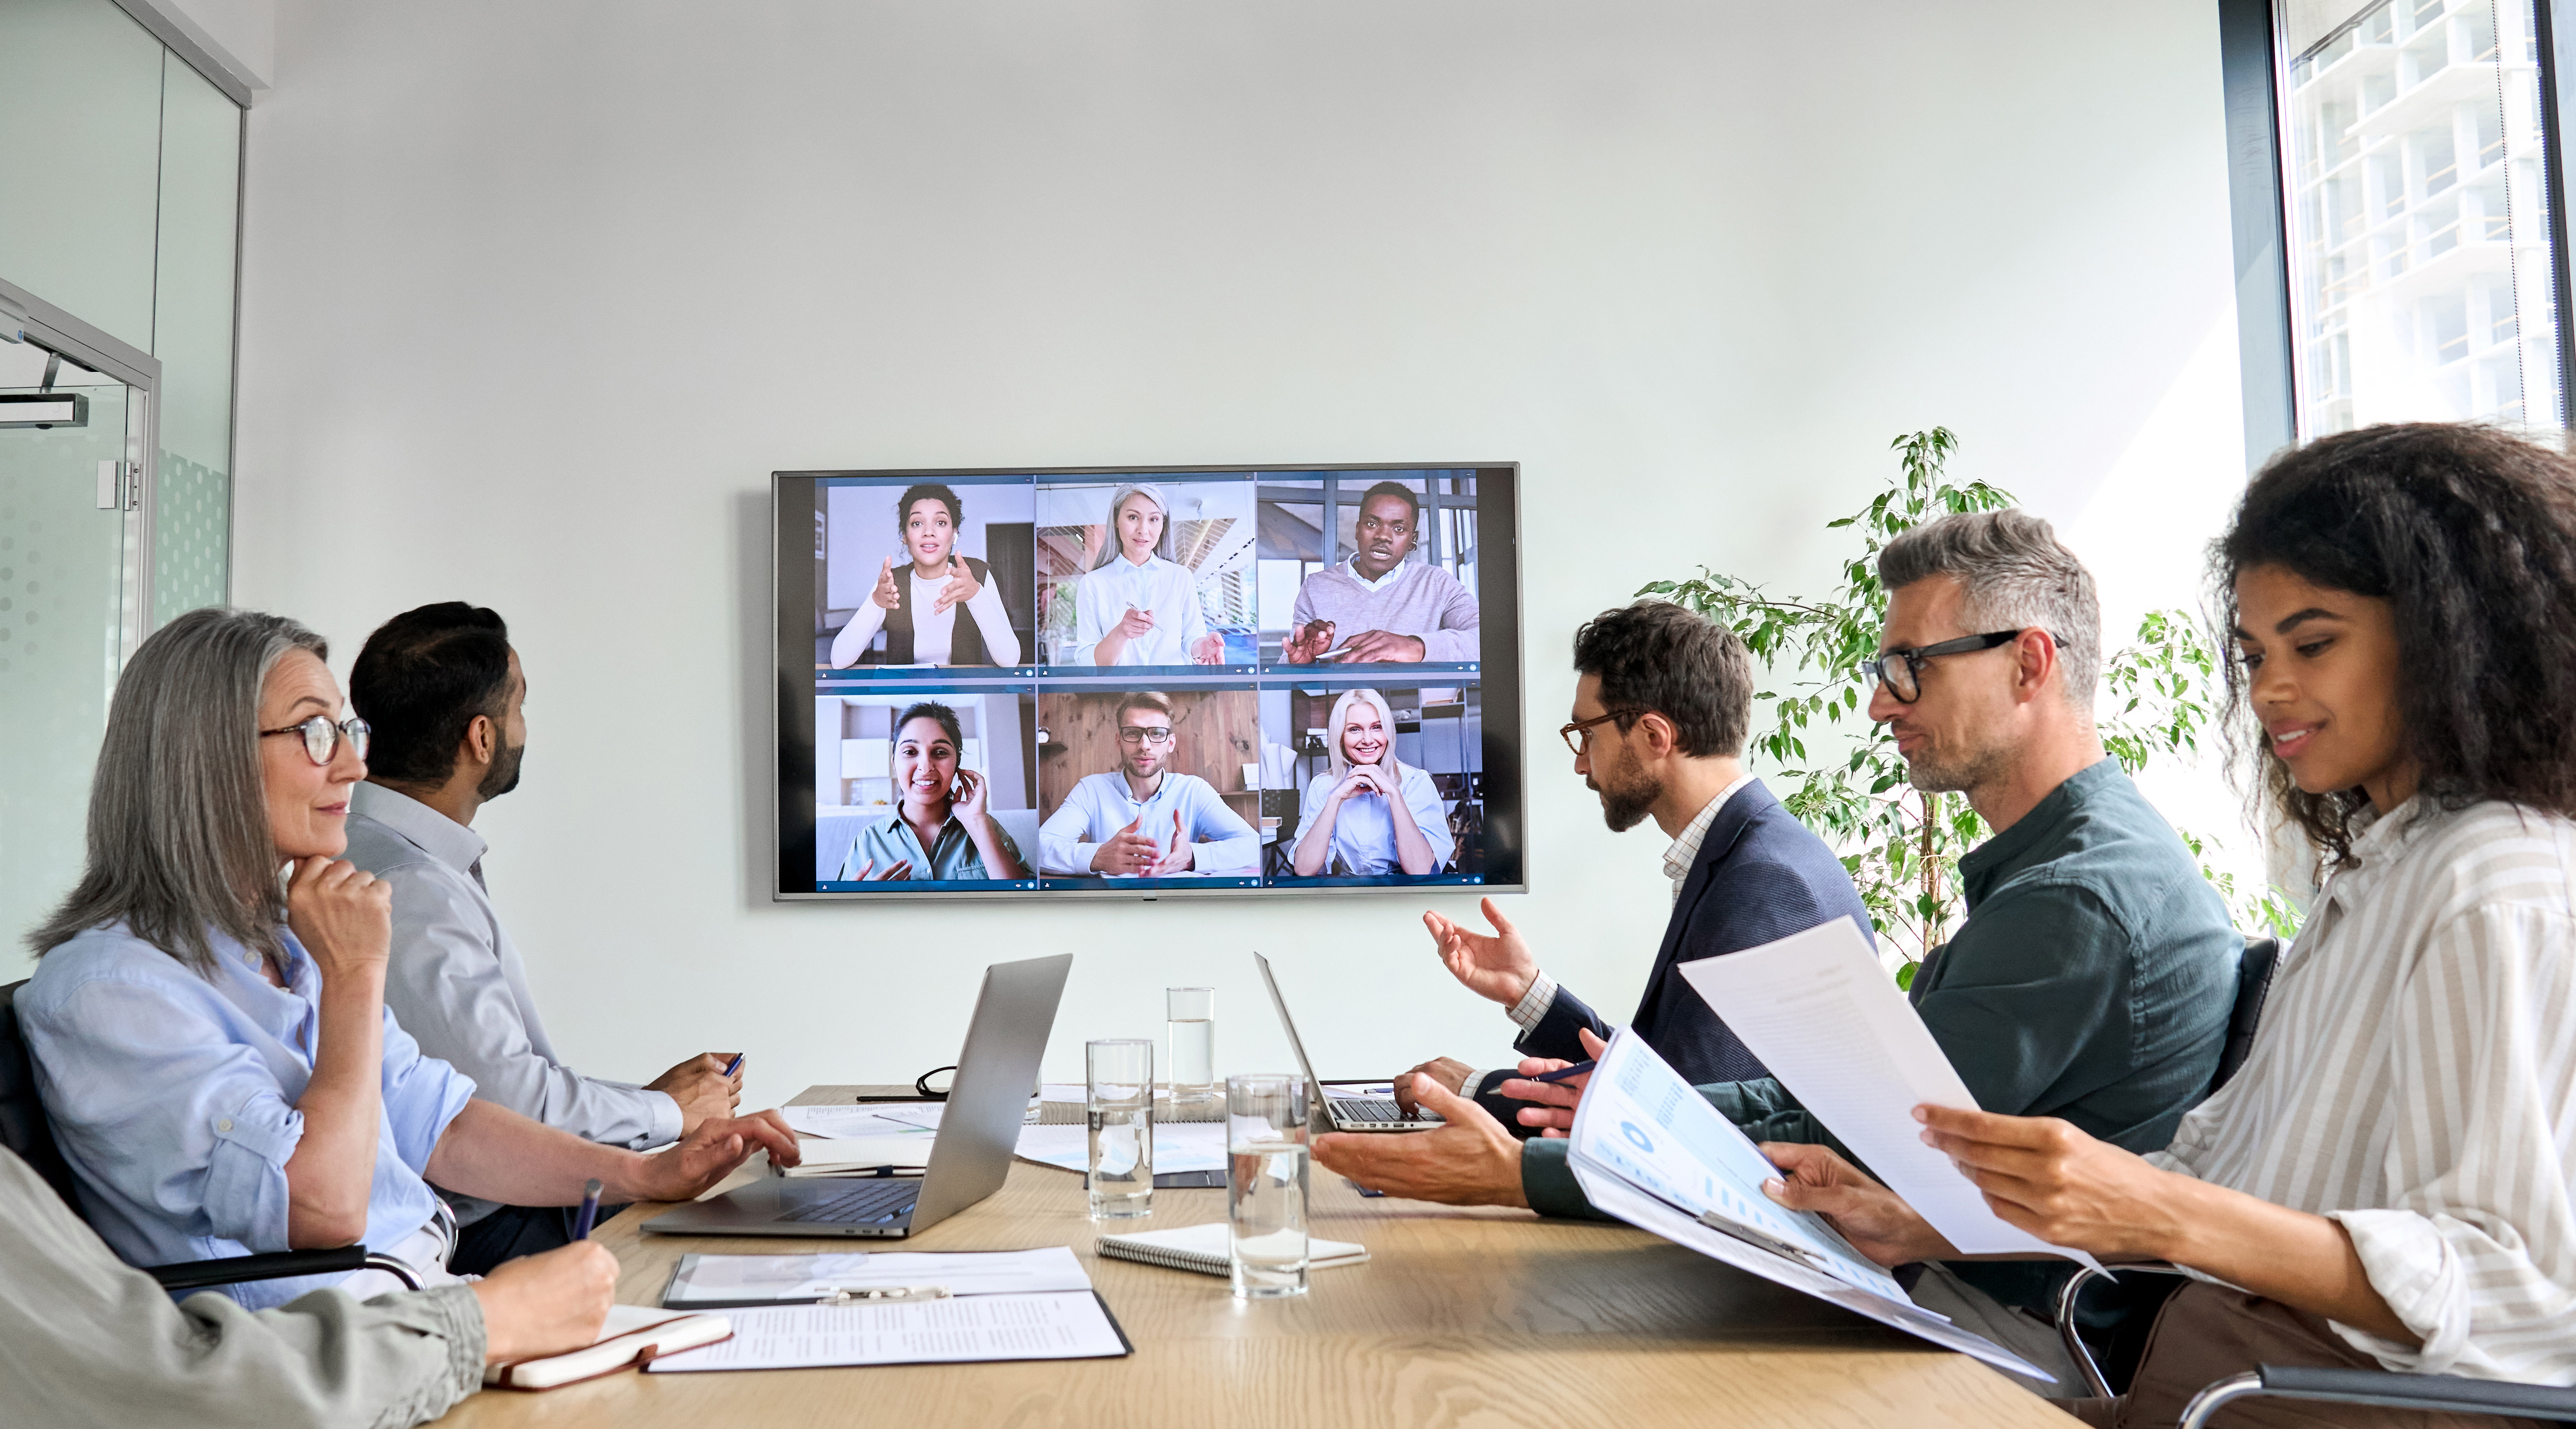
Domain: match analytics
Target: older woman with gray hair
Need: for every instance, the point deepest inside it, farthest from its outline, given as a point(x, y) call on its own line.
point(208, 1020)
point(1135, 607)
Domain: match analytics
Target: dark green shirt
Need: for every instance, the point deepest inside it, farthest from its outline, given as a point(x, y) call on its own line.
point(2091, 981)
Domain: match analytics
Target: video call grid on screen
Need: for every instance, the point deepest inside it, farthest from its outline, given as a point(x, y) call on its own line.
point(1238, 735)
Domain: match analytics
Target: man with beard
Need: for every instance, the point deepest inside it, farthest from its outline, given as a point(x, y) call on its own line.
point(1660, 713)
point(2094, 976)
point(444, 691)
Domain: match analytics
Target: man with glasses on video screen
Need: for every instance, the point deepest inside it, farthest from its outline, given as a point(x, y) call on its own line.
point(1143, 819)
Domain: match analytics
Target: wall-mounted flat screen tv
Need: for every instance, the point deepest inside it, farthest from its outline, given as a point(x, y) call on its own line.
point(1148, 682)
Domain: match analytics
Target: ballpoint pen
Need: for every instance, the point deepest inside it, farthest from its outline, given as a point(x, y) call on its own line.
point(735, 1065)
point(1563, 1073)
point(589, 1213)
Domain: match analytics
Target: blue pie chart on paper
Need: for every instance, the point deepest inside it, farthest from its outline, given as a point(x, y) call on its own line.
point(1637, 1138)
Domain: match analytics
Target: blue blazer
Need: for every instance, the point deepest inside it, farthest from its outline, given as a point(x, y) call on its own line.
point(1760, 876)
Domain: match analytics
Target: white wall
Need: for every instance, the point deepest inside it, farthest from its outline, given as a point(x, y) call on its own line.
point(537, 295)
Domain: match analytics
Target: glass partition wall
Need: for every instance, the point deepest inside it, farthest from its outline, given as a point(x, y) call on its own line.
point(122, 172)
point(2413, 191)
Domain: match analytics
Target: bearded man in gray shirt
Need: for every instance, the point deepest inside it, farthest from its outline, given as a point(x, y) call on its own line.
point(445, 693)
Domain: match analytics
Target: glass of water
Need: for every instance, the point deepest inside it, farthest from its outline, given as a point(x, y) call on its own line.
point(1265, 1185)
point(1192, 1026)
point(1120, 1104)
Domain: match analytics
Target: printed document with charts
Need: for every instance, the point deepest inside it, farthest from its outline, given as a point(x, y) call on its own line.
point(1651, 1151)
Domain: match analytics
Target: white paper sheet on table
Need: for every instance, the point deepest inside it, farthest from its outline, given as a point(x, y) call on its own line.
point(1178, 1146)
point(1069, 1324)
point(862, 1120)
point(781, 1277)
point(1823, 1016)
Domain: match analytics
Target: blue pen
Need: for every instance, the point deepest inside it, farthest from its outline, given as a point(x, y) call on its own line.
point(735, 1065)
point(1563, 1074)
point(589, 1210)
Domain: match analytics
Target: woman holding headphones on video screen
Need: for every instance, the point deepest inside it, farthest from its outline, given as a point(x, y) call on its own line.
point(1369, 816)
point(943, 826)
point(1135, 607)
point(918, 606)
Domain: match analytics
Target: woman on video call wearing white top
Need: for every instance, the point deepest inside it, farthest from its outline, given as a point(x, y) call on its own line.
point(1134, 607)
point(917, 606)
point(1374, 815)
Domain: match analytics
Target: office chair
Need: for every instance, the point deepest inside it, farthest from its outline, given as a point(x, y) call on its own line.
point(24, 1130)
point(2388, 1388)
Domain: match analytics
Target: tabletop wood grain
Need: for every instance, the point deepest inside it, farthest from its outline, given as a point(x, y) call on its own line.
point(1474, 1318)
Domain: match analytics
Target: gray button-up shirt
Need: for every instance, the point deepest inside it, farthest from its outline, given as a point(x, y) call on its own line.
point(85, 1340)
point(456, 984)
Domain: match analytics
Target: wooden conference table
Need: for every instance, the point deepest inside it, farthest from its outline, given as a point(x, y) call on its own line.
point(1468, 1317)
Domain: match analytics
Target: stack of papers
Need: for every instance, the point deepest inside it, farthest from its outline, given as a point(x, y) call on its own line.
point(1651, 1151)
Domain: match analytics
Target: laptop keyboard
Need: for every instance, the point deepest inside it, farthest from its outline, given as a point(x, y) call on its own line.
point(874, 1204)
point(1356, 1110)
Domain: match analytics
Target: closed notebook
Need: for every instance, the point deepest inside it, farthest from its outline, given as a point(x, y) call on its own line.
point(860, 1156)
point(1207, 1249)
point(633, 1335)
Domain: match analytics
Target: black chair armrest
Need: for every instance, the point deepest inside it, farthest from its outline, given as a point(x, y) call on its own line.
point(232, 1270)
point(2433, 1393)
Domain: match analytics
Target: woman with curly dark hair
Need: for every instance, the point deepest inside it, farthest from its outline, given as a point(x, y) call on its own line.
point(2386, 1181)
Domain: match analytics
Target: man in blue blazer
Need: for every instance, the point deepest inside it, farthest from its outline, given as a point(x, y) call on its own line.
point(1660, 715)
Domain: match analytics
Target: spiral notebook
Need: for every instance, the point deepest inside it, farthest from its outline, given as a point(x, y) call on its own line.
point(1206, 1249)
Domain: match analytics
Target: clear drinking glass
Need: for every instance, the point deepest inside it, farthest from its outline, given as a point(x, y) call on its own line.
point(1121, 1114)
point(1265, 1185)
point(1192, 1027)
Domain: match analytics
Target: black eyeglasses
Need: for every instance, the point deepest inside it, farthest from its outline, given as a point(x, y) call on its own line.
point(322, 737)
point(1901, 671)
point(1154, 734)
point(1583, 728)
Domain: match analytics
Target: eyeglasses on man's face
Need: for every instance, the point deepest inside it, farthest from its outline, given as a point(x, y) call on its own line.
point(1145, 734)
point(1578, 735)
point(322, 737)
point(1901, 670)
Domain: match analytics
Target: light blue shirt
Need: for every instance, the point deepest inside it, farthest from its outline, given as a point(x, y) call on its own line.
point(1364, 828)
point(173, 1096)
point(1100, 806)
point(955, 858)
point(1163, 589)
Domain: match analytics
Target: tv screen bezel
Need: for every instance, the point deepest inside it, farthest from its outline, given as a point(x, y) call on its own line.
point(1499, 677)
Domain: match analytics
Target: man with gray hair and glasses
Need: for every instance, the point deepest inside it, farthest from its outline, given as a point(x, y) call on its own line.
point(2095, 972)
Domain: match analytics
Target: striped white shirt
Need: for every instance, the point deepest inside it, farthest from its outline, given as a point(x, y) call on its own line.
point(2412, 1079)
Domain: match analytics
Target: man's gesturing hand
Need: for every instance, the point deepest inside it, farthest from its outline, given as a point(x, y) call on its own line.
point(1180, 858)
point(1472, 1161)
point(701, 1088)
point(1304, 645)
point(1870, 1216)
point(1370, 647)
point(1448, 1072)
point(1496, 966)
point(1130, 850)
point(709, 1154)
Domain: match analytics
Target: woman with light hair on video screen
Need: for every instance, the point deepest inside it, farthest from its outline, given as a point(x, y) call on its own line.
point(1134, 607)
point(1369, 816)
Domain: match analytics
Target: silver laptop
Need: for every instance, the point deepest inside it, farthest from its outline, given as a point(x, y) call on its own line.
point(978, 1131)
point(1341, 1113)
